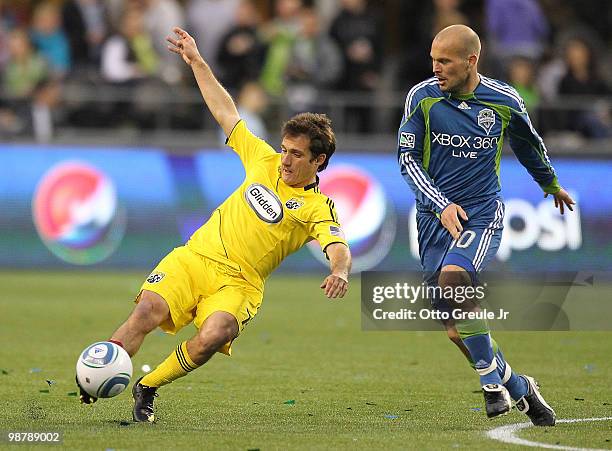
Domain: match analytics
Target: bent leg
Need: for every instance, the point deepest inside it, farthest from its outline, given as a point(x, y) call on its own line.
point(219, 329)
point(474, 332)
point(150, 312)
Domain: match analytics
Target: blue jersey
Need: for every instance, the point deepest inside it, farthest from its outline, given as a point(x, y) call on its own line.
point(449, 145)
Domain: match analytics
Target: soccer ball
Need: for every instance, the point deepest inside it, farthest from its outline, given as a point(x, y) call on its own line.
point(104, 369)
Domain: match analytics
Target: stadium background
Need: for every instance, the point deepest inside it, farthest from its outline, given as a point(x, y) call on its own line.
point(110, 159)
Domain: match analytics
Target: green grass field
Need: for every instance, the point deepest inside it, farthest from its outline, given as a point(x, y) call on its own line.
point(303, 376)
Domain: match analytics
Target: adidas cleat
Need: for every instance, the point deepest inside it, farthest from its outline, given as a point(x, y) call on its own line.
point(534, 406)
point(497, 400)
point(143, 402)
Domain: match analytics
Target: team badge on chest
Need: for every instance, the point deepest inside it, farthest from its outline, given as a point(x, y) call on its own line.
point(294, 204)
point(486, 119)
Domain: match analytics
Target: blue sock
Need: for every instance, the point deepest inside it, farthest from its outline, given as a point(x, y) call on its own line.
point(516, 385)
point(485, 363)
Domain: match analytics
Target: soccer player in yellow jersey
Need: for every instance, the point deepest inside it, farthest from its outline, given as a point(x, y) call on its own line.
point(216, 281)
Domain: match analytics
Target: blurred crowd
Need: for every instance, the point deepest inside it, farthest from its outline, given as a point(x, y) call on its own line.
point(104, 63)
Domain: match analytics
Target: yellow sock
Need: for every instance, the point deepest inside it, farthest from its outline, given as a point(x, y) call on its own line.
point(178, 364)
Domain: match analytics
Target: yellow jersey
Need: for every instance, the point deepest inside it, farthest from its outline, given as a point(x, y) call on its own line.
point(264, 220)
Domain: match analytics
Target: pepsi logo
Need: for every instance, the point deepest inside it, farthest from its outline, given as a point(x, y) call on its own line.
point(368, 219)
point(264, 202)
point(76, 213)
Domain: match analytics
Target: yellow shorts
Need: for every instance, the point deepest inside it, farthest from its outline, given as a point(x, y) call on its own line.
point(194, 287)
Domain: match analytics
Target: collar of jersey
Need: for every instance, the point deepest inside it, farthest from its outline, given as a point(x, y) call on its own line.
point(307, 187)
point(313, 184)
point(467, 96)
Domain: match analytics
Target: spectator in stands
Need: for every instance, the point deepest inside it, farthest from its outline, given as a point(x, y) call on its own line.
point(252, 102)
point(85, 25)
point(515, 28)
point(521, 76)
point(241, 52)
point(159, 17)
point(583, 79)
point(359, 31)
point(418, 26)
point(129, 55)
point(315, 64)
point(209, 21)
point(280, 34)
point(49, 38)
point(24, 71)
point(445, 14)
point(129, 60)
point(24, 68)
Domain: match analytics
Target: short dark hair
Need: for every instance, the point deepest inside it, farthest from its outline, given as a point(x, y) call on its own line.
point(318, 128)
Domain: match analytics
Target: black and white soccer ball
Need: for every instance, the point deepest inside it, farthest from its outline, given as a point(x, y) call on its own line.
point(104, 369)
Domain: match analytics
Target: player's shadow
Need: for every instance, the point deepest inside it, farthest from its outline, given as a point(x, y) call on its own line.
point(121, 423)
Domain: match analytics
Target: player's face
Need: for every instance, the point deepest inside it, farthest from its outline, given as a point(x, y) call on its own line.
point(298, 167)
point(450, 67)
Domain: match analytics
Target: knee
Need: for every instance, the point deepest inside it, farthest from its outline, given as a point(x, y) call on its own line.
point(454, 276)
point(452, 279)
point(150, 311)
point(216, 332)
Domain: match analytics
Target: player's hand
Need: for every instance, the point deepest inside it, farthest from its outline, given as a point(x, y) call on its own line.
point(450, 220)
point(184, 45)
point(84, 397)
point(562, 198)
point(335, 286)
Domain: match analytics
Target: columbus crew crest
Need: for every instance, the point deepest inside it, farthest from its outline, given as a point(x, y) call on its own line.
point(294, 204)
point(486, 119)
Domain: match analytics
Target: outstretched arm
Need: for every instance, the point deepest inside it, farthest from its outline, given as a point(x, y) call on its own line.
point(215, 96)
point(336, 284)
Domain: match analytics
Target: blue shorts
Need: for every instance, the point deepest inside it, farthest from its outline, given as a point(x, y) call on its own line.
point(474, 249)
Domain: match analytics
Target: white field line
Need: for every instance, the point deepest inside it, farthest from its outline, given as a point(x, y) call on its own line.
point(507, 434)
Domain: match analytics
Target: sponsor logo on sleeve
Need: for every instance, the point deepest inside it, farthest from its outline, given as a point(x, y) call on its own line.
point(407, 140)
point(336, 231)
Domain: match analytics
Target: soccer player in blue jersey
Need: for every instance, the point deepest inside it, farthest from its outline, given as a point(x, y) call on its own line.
point(449, 149)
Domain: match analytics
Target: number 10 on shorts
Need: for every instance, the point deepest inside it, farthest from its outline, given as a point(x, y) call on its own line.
point(464, 240)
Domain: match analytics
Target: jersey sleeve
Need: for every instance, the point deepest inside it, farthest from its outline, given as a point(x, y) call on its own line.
point(412, 159)
point(530, 150)
point(249, 147)
point(324, 225)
